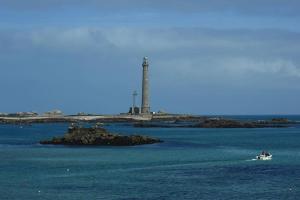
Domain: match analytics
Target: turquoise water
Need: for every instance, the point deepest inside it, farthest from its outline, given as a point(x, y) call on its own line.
point(190, 164)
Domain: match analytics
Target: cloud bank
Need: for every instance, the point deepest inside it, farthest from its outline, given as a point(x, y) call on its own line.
point(254, 7)
point(235, 51)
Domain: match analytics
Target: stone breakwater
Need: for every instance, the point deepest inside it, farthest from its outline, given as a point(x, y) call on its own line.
point(99, 136)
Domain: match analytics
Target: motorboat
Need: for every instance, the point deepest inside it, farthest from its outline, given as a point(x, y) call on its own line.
point(264, 156)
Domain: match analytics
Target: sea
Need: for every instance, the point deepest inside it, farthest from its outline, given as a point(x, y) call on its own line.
point(191, 163)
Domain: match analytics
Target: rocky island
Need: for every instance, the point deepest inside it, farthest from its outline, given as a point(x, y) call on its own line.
point(98, 136)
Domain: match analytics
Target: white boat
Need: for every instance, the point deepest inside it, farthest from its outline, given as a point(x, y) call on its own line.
point(264, 156)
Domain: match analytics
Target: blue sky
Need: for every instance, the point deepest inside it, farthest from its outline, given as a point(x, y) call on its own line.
point(206, 57)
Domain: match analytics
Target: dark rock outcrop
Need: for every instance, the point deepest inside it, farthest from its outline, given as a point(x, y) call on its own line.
point(229, 123)
point(281, 121)
point(212, 123)
point(99, 136)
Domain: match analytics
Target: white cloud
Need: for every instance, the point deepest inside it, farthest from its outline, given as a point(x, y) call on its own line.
point(275, 67)
point(78, 39)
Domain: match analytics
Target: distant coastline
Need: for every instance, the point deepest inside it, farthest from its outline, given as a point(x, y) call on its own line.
point(157, 121)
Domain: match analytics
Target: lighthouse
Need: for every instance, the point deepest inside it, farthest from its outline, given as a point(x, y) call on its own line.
point(145, 109)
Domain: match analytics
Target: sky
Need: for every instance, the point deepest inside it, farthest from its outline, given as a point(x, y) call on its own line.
point(206, 56)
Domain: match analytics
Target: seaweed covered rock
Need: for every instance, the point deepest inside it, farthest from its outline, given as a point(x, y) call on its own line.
point(213, 123)
point(281, 121)
point(99, 136)
point(228, 123)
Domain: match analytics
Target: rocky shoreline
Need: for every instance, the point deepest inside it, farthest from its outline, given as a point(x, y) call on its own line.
point(99, 136)
point(44, 120)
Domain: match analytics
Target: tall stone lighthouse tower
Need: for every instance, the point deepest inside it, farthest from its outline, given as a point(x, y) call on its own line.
point(145, 88)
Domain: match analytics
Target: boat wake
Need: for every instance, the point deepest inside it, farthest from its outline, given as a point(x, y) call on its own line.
point(251, 160)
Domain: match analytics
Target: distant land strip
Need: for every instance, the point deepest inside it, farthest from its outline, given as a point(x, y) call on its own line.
point(156, 121)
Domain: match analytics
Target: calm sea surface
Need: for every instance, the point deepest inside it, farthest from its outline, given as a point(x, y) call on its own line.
point(190, 164)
